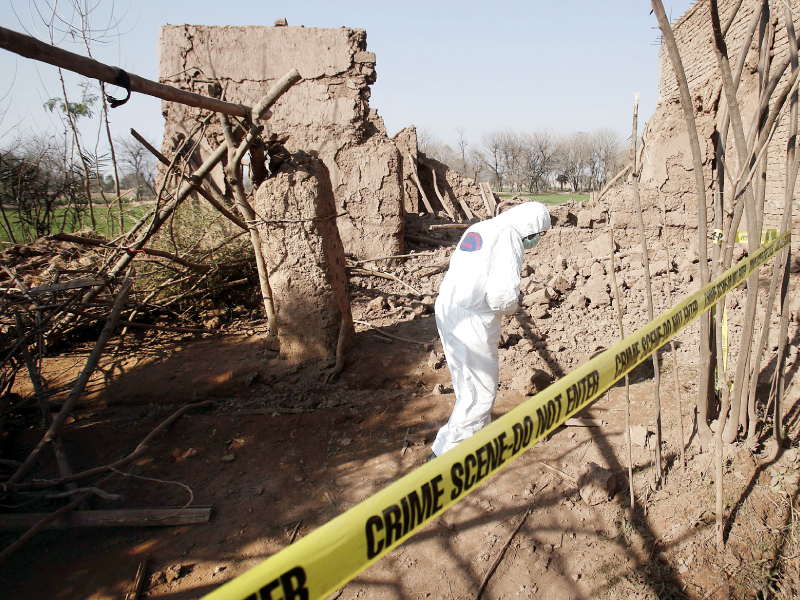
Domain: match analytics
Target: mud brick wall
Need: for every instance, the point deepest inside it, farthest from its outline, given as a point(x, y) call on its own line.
point(694, 37)
point(327, 113)
point(667, 168)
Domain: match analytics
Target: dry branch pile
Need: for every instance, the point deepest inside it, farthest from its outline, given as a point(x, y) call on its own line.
point(58, 290)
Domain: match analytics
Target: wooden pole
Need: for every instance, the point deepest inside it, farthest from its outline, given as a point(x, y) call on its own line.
point(721, 51)
point(29, 47)
point(792, 163)
point(649, 289)
point(672, 341)
point(130, 517)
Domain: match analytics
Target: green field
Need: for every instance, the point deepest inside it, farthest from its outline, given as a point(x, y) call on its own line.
point(547, 198)
point(104, 218)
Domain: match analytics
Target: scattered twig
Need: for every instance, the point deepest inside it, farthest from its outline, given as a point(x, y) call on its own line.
point(138, 582)
point(294, 533)
point(389, 335)
point(502, 552)
point(360, 271)
point(560, 473)
point(80, 383)
point(411, 255)
point(449, 226)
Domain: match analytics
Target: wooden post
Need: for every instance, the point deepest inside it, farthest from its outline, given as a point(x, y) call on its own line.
point(649, 289)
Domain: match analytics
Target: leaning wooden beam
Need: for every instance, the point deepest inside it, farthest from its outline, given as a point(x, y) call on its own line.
point(450, 211)
point(233, 174)
point(415, 178)
point(486, 205)
point(137, 517)
point(614, 180)
point(198, 186)
point(488, 197)
point(29, 47)
point(80, 384)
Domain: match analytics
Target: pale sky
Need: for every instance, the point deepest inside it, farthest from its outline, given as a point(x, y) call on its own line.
point(569, 65)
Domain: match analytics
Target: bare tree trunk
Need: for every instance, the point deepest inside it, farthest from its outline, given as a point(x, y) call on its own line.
point(721, 51)
point(786, 223)
point(703, 394)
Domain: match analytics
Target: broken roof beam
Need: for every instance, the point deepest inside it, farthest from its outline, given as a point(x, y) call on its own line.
point(29, 47)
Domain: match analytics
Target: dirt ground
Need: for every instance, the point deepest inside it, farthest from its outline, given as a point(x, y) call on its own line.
point(280, 453)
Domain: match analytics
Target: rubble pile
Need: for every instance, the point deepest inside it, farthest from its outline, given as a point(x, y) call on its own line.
point(567, 310)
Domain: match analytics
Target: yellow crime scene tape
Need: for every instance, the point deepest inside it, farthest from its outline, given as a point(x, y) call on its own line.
point(333, 554)
point(767, 235)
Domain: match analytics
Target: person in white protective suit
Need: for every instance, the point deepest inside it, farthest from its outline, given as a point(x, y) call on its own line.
point(481, 285)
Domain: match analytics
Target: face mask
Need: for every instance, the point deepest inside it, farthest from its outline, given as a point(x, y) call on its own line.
point(530, 241)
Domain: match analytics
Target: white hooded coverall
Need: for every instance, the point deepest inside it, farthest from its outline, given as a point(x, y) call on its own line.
point(481, 285)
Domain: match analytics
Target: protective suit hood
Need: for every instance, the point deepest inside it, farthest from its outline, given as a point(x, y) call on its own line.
point(528, 218)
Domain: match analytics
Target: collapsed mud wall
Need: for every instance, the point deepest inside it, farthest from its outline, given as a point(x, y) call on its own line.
point(327, 113)
point(667, 170)
point(448, 192)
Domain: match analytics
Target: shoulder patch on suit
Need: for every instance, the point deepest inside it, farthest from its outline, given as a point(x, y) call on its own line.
point(472, 242)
